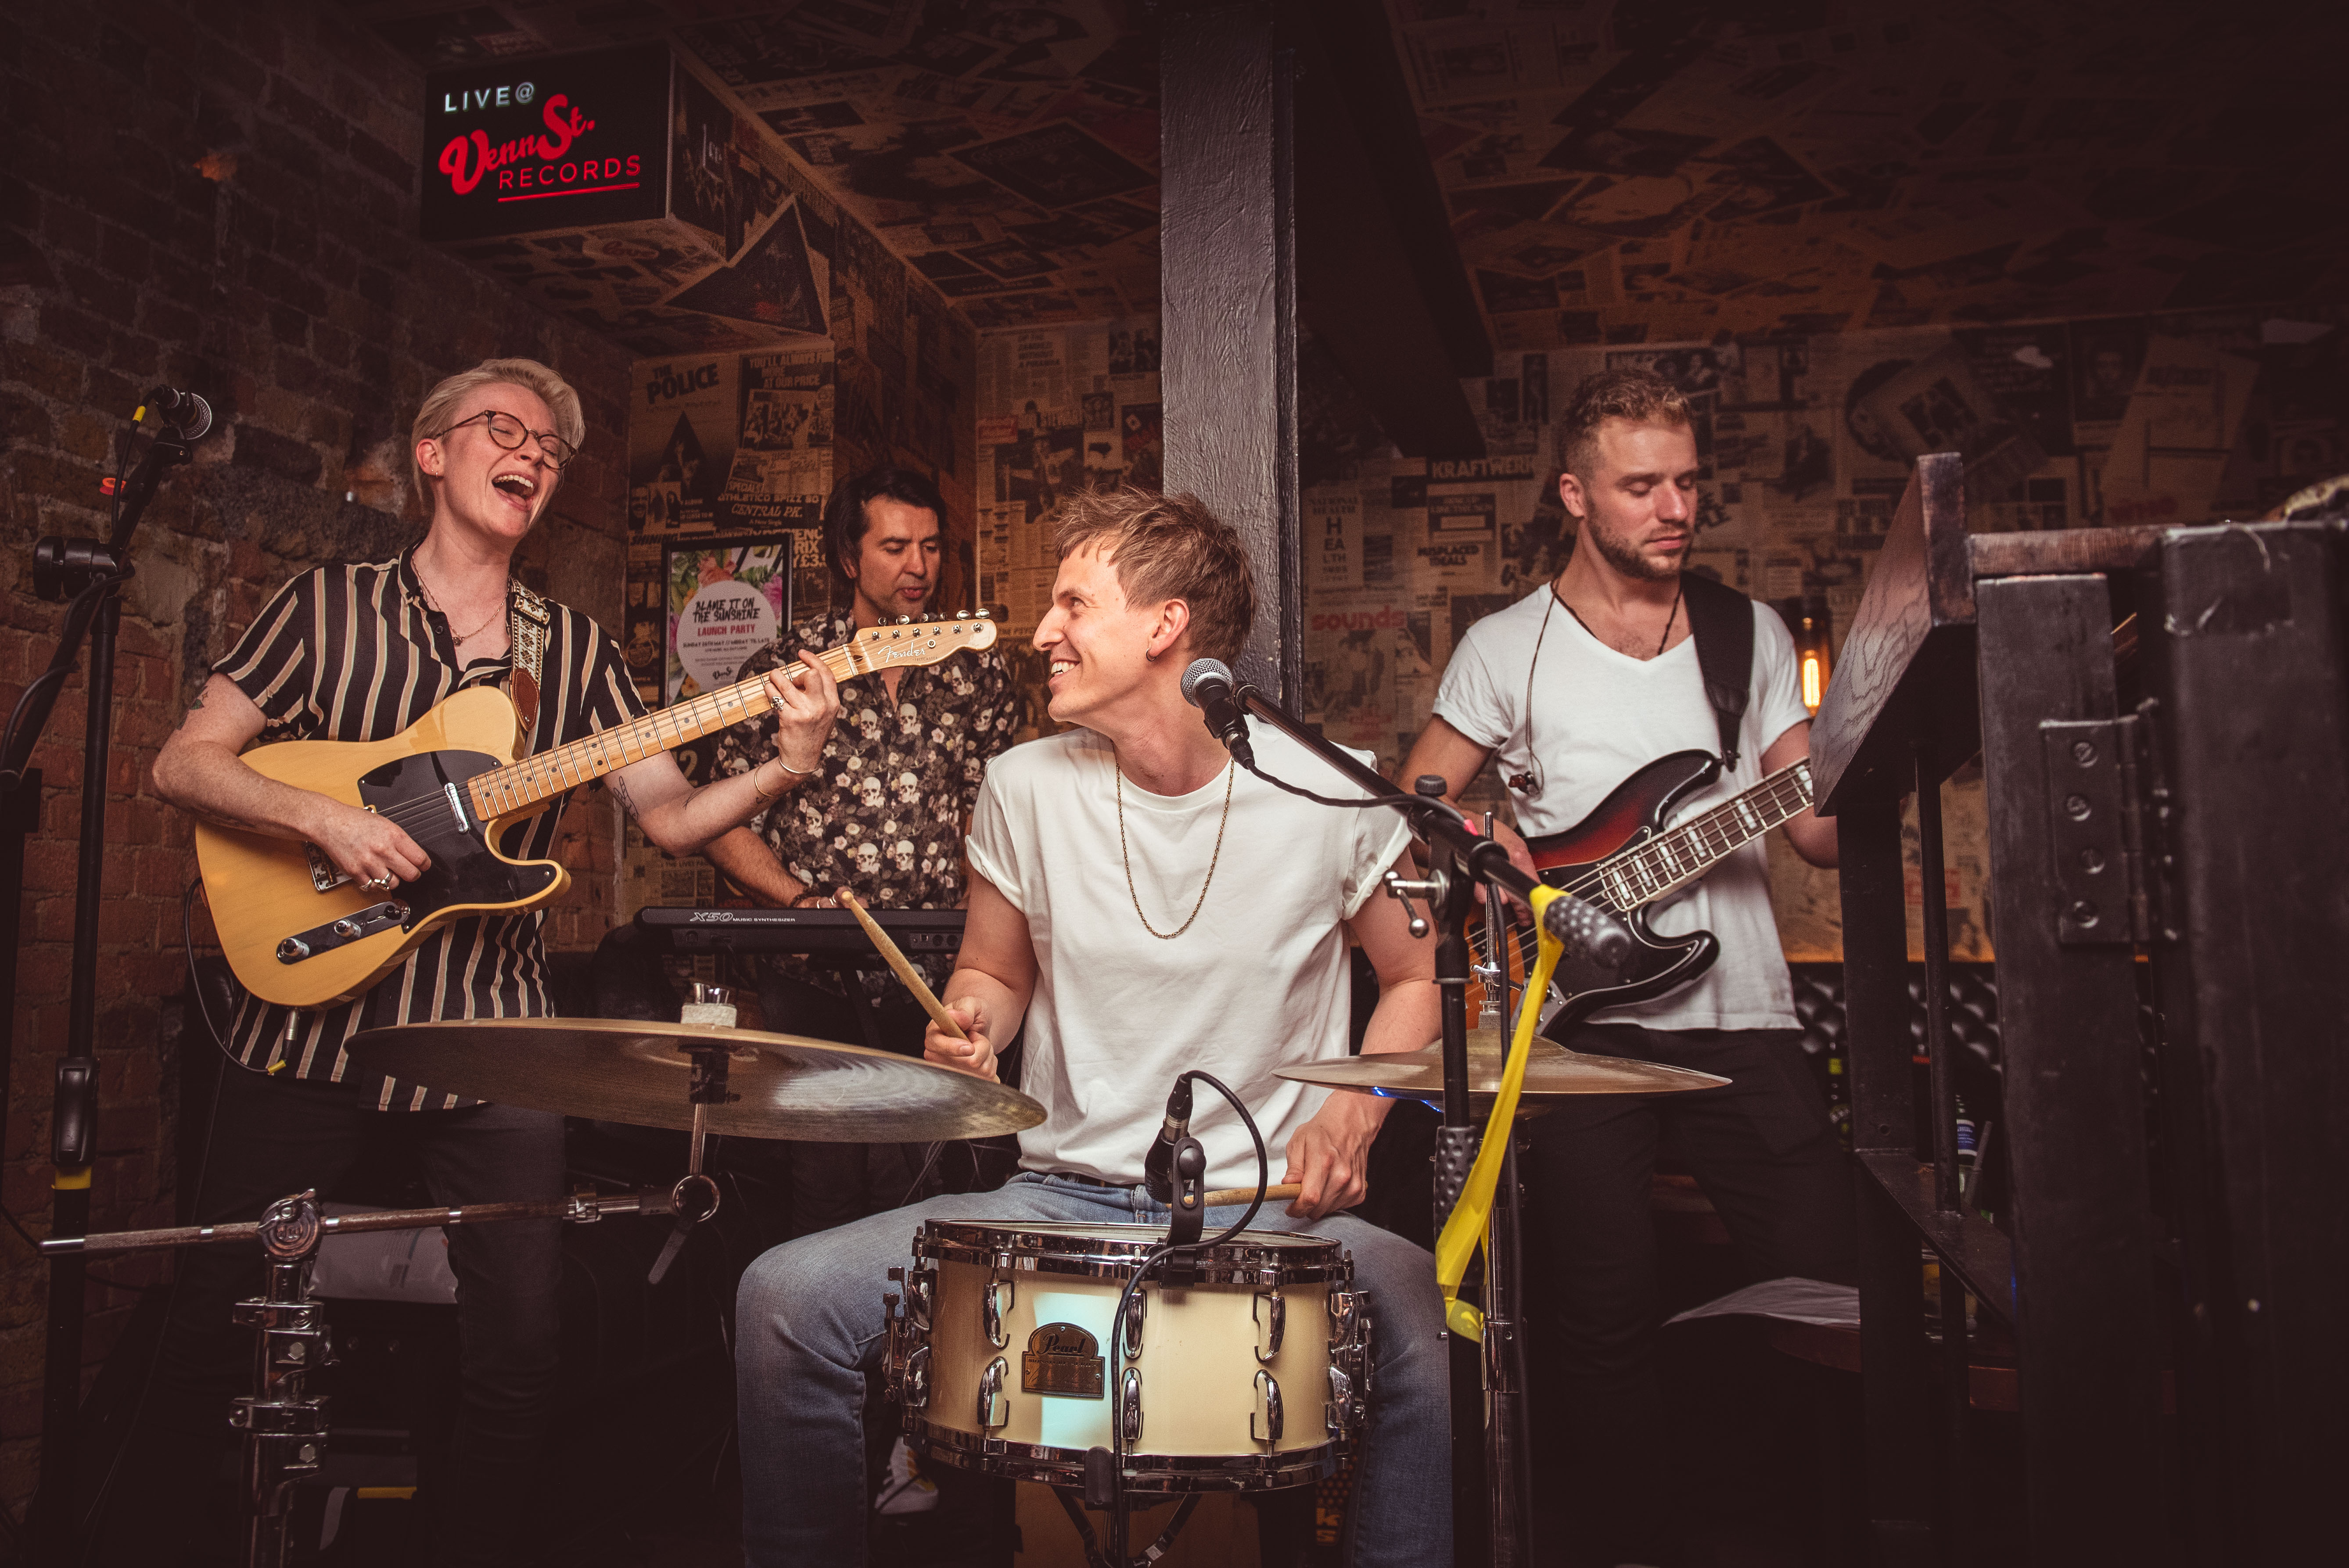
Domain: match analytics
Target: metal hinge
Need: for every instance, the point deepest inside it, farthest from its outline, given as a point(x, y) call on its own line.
point(2107, 879)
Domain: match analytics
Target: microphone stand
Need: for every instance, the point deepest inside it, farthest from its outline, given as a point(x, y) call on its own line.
point(92, 572)
point(1459, 859)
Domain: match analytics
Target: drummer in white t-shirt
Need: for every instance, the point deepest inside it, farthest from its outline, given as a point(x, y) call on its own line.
point(1573, 688)
point(1146, 908)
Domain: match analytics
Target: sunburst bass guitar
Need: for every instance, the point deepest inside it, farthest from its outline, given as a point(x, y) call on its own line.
point(299, 933)
point(1622, 858)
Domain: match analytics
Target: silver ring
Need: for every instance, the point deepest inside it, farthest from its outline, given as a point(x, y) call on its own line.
point(382, 883)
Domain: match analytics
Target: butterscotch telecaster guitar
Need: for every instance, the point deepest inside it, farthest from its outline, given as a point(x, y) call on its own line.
point(299, 933)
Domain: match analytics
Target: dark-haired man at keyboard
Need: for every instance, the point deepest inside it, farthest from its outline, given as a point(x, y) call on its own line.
point(883, 817)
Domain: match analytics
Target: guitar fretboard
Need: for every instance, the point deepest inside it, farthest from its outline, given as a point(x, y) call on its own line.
point(503, 792)
point(1646, 872)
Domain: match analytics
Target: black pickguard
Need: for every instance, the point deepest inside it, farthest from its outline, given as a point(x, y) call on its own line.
point(414, 792)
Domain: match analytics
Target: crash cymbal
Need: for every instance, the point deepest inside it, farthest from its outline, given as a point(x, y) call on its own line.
point(1551, 1070)
point(613, 1069)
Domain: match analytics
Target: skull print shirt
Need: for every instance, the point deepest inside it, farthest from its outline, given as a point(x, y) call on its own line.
point(883, 815)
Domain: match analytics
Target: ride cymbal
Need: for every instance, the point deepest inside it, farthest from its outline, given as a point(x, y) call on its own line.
point(1551, 1070)
point(779, 1086)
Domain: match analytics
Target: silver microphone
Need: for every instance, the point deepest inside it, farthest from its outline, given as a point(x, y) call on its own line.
point(1208, 686)
point(186, 412)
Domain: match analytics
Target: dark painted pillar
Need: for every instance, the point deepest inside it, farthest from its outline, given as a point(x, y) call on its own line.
point(1227, 365)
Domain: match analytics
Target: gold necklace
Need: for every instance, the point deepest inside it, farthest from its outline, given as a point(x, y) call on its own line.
point(1231, 773)
point(457, 637)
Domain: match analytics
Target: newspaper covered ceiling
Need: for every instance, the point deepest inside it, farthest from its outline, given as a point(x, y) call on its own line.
point(1657, 171)
point(1615, 172)
point(1006, 152)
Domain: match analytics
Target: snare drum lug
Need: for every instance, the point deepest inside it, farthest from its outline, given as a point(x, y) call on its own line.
point(1343, 1309)
point(992, 1309)
point(1129, 1405)
point(1133, 1325)
point(1338, 1417)
point(1266, 1414)
point(1271, 1313)
point(992, 1410)
point(921, 1289)
point(914, 1386)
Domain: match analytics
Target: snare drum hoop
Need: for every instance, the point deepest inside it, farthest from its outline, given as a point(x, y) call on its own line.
point(1168, 1473)
point(1256, 1258)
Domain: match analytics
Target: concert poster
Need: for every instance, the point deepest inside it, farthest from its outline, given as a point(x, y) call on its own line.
point(724, 600)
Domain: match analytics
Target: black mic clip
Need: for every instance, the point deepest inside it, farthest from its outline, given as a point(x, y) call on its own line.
point(1189, 1206)
point(1175, 1172)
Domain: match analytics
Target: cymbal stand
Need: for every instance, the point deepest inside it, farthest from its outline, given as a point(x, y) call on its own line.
point(695, 1197)
point(1508, 1458)
point(285, 1425)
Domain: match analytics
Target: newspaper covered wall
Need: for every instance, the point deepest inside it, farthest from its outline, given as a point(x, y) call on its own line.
point(1060, 408)
point(730, 457)
point(1806, 443)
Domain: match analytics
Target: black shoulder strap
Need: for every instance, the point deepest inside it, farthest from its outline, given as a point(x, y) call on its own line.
point(1721, 619)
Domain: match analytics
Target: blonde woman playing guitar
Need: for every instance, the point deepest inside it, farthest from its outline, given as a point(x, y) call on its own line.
point(361, 654)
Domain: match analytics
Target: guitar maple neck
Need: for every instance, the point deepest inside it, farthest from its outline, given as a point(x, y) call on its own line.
point(503, 791)
point(1672, 860)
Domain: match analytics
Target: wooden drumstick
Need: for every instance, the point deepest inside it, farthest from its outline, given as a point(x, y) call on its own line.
point(897, 962)
point(1223, 1195)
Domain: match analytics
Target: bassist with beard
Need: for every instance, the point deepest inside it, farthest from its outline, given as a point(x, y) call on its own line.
point(1575, 689)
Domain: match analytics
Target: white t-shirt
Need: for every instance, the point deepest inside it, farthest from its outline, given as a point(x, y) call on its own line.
point(1601, 716)
point(1260, 982)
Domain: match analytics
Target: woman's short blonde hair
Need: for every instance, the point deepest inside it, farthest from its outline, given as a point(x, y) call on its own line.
point(432, 416)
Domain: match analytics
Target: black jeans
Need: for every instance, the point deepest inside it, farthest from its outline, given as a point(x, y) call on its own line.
point(273, 1137)
point(1764, 1152)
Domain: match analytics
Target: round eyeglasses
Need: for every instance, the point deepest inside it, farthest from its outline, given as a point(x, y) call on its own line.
point(509, 432)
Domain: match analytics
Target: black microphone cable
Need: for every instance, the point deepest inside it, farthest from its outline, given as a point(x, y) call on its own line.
point(1157, 1255)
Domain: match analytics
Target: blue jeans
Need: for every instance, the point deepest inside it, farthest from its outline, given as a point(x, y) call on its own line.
point(811, 1332)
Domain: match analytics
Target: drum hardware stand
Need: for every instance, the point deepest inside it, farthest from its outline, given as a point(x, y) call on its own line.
point(92, 573)
point(285, 1425)
point(1508, 1458)
point(1095, 1555)
point(695, 1197)
point(1459, 857)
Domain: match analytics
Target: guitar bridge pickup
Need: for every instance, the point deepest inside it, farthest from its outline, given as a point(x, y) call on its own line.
point(355, 927)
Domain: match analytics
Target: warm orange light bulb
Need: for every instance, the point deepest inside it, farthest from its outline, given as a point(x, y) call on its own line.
point(1813, 693)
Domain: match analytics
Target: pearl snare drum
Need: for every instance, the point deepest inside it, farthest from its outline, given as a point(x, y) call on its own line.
point(1253, 1376)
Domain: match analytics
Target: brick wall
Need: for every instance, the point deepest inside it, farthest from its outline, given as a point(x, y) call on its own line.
point(222, 198)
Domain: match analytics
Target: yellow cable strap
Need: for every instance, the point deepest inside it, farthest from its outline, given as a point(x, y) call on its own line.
point(1470, 1217)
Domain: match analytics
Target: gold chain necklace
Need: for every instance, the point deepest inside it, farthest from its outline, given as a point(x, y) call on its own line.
point(1231, 773)
point(455, 635)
